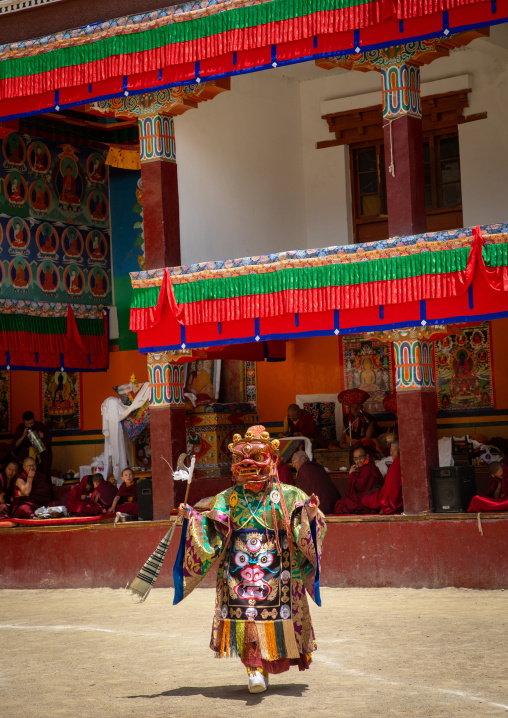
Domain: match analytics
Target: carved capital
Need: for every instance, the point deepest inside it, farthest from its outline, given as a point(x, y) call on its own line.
point(166, 379)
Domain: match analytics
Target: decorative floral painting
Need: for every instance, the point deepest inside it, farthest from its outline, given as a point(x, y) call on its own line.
point(368, 366)
point(61, 400)
point(54, 222)
point(5, 403)
point(463, 370)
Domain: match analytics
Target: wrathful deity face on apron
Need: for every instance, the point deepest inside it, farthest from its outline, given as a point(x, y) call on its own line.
point(258, 579)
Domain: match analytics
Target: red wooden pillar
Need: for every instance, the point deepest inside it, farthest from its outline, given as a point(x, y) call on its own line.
point(416, 410)
point(403, 140)
point(167, 427)
point(161, 222)
point(161, 213)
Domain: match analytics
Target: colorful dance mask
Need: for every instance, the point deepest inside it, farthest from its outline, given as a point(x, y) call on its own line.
point(254, 456)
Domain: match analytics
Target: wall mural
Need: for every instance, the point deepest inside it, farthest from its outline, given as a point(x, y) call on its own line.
point(463, 370)
point(54, 222)
point(61, 400)
point(368, 366)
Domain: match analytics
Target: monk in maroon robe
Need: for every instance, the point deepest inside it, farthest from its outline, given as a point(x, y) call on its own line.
point(299, 422)
point(313, 479)
point(32, 490)
point(387, 500)
point(103, 493)
point(497, 499)
point(7, 480)
point(22, 447)
point(126, 499)
point(80, 501)
point(364, 477)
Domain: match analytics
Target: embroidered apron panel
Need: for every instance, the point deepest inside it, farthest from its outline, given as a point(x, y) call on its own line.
point(257, 580)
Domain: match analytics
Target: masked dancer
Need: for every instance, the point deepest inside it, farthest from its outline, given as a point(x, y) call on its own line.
point(267, 537)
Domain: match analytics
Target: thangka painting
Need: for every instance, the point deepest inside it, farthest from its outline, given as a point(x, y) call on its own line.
point(54, 222)
point(202, 381)
point(238, 382)
point(5, 403)
point(368, 366)
point(61, 400)
point(463, 370)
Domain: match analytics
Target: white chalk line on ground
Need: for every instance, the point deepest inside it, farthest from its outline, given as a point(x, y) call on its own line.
point(86, 629)
point(418, 686)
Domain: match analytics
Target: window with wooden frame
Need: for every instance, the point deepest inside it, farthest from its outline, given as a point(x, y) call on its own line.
point(362, 130)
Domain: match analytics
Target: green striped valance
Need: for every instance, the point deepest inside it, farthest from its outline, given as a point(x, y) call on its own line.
point(317, 277)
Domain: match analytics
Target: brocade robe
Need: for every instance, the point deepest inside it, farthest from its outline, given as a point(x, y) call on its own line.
point(261, 610)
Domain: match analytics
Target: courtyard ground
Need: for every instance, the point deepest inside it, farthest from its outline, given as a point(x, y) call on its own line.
point(93, 653)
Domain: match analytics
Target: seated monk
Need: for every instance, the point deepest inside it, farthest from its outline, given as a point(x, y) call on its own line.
point(31, 491)
point(497, 499)
point(312, 478)
point(387, 500)
point(299, 422)
point(126, 498)
point(285, 473)
point(103, 493)
point(358, 425)
point(7, 479)
point(364, 476)
point(80, 501)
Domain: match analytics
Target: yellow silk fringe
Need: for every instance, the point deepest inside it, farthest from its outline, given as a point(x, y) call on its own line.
point(271, 641)
point(290, 639)
point(240, 635)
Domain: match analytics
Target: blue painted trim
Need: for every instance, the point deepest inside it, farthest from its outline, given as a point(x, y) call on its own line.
point(20, 367)
point(197, 67)
point(401, 26)
point(381, 311)
point(330, 332)
point(317, 592)
point(235, 56)
point(57, 99)
point(470, 297)
point(182, 336)
point(257, 328)
point(90, 88)
point(160, 74)
point(493, 7)
point(219, 327)
point(62, 363)
point(178, 566)
point(356, 38)
point(446, 22)
point(423, 310)
point(273, 54)
point(336, 319)
point(280, 63)
point(297, 318)
point(125, 82)
point(314, 41)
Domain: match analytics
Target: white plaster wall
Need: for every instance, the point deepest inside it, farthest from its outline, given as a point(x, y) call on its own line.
point(240, 171)
point(326, 171)
point(483, 144)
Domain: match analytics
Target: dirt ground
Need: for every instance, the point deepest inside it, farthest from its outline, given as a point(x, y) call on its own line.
point(93, 653)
